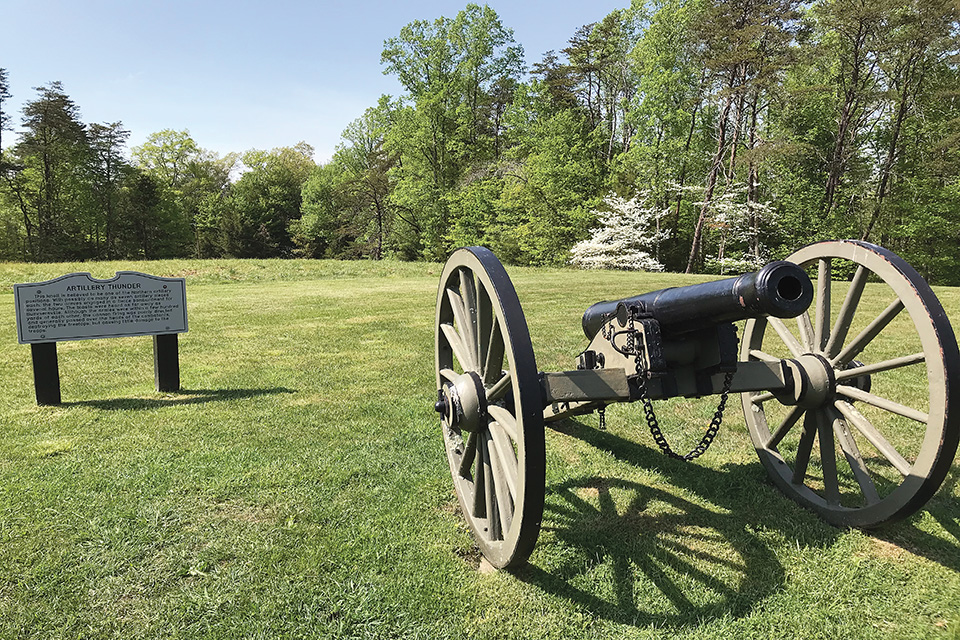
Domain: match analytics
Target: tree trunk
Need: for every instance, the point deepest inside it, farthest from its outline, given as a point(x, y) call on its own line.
point(711, 183)
point(27, 223)
point(735, 142)
point(753, 179)
point(379, 208)
point(860, 76)
point(887, 168)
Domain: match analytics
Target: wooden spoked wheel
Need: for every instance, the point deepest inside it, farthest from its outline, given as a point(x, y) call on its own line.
point(871, 427)
point(491, 406)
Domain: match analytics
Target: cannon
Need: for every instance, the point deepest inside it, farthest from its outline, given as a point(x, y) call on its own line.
point(847, 371)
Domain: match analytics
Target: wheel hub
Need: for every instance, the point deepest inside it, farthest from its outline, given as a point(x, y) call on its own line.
point(814, 382)
point(462, 404)
point(862, 382)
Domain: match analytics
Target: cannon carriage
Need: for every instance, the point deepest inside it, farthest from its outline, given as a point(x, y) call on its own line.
point(872, 414)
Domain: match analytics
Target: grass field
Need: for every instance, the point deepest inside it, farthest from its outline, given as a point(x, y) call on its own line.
point(297, 487)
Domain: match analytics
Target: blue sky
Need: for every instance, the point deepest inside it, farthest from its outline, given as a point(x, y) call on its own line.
point(238, 75)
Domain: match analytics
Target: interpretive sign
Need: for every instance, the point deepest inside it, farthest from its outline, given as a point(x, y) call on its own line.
point(79, 307)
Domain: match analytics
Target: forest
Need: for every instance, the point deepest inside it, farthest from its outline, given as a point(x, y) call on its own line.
point(686, 135)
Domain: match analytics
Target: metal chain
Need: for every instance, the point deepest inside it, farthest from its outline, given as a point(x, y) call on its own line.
point(651, 417)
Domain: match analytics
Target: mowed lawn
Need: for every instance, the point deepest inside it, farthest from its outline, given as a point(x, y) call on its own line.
point(298, 488)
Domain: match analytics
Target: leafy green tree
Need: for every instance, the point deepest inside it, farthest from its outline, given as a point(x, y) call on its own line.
point(460, 75)
point(667, 115)
point(265, 200)
point(922, 35)
point(50, 184)
point(736, 38)
point(195, 181)
point(558, 81)
point(150, 228)
point(167, 155)
point(850, 34)
point(489, 65)
point(5, 96)
point(866, 123)
point(475, 209)
point(109, 169)
point(10, 230)
point(322, 231)
point(204, 197)
point(552, 181)
point(347, 211)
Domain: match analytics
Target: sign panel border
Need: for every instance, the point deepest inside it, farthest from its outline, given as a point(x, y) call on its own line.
point(20, 288)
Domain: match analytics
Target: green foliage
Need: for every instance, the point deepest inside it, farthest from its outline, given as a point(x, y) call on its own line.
point(195, 186)
point(474, 210)
point(265, 200)
point(460, 74)
point(839, 119)
point(5, 96)
point(320, 231)
point(152, 228)
point(551, 186)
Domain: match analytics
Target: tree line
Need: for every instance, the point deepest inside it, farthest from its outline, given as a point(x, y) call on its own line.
point(741, 129)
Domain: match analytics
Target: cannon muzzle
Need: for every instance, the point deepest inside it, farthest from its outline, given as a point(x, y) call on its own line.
point(780, 289)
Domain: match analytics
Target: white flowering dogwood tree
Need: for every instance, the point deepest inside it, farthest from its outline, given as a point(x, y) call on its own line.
point(627, 238)
point(736, 223)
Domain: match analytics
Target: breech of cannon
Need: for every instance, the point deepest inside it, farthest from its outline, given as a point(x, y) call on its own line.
point(780, 289)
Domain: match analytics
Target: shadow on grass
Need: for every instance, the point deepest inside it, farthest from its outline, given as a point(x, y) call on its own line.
point(672, 561)
point(945, 509)
point(183, 397)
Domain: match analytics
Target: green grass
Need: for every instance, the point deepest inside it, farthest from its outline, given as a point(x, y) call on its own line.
point(298, 487)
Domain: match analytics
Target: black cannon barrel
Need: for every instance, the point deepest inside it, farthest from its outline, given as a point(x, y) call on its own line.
point(780, 289)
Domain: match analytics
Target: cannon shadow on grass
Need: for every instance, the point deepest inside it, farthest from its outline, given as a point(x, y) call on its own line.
point(672, 561)
point(182, 397)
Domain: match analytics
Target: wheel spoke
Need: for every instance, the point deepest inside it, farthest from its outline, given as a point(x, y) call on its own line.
point(480, 481)
point(870, 447)
point(822, 322)
point(784, 427)
point(852, 453)
point(493, 357)
point(853, 349)
point(500, 389)
point(877, 367)
point(486, 318)
point(501, 498)
point(873, 436)
point(489, 488)
point(449, 374)
point(806, 331)
point(468, 288)
point(469, 455)
point(760, 398)
point(760, 355)
point(883, 403)
point(455, 340)
point(805, 447)
point(849, 307)
point(506, 457)
point(466, 330)
point(788, 338)
point(828, 458)
point(506, 421)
